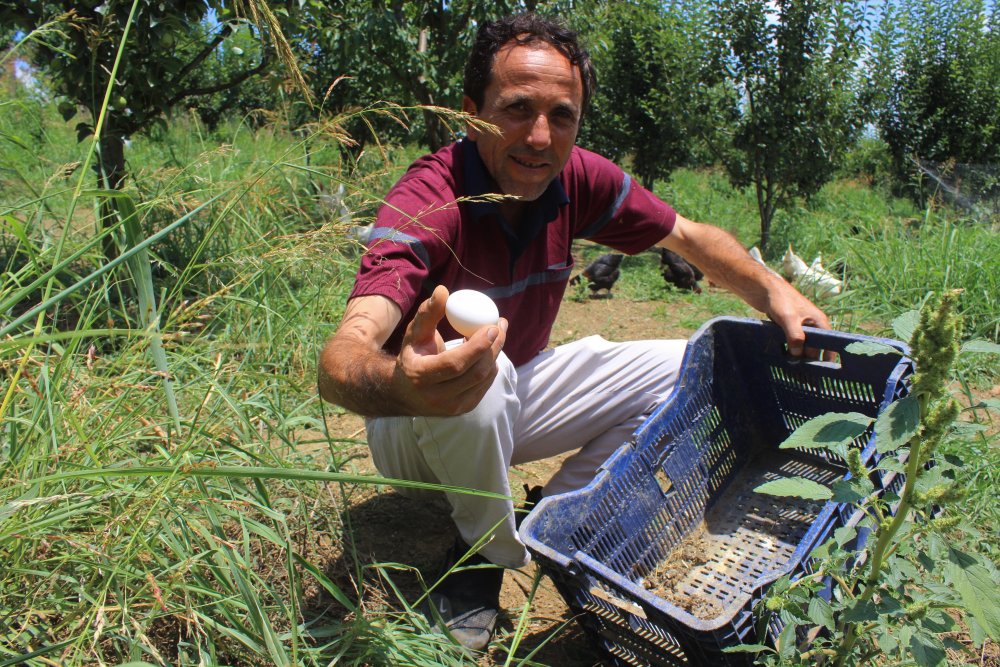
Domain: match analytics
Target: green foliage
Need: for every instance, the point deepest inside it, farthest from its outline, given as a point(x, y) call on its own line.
point(869, 160)
point(257, 96)
point(410, 53)
point(893, 589)
point(793, 65)
point(653, 64)
point(933, 85)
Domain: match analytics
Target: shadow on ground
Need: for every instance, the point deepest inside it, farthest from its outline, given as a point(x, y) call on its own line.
point(392, 541)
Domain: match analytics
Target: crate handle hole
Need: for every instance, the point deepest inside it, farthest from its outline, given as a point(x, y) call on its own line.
point(666, 484)
point(829, 358)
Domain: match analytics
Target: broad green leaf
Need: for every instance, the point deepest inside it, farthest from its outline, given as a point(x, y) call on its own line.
point(797, 487)
point(845, 534)
point(967, 428)
point(891, 464)
point(870, 348)
point(932, 479)
point(834, 429)
point(820, 612)
point(886, 641)
point(852, 490)
point(823, 551)
point(786, 642)
point(861, 612)
point(904, 634)
point(927, 650)
point(980, 346)
point(979, 594)
point(904, 325)
point(888, 605)
point(936, 621)
point(976, 631)
point(897, 424)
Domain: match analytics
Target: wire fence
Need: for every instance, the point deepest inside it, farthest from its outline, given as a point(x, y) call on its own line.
point(975, 188)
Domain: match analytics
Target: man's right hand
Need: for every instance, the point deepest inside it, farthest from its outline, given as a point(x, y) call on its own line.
point(436, 381)
point(424, 379)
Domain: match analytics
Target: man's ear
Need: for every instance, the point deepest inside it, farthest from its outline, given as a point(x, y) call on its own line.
point(469, 107)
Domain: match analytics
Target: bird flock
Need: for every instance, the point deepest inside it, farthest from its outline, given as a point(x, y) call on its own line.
point(812, 279)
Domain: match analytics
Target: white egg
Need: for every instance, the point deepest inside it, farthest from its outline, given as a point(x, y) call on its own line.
point(468, 310)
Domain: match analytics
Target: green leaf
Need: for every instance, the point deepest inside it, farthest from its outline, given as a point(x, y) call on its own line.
point(937, 622)
point(979, 594)
point(988, 403)
point(786, 642)
point(834, 429)
point(967, 428)
point(845, 534)
point(980, 346)
point(748, 648)
point(891, 464)
point(927, 650)
point(820, 612)
point(861, 612)
point(976, 631)
point(870, 348)
point(897, 424)
point(889, 606)
point(905, 324)
point(932, 479)
point(851, 490)
point(797, 487)
point(886, 641)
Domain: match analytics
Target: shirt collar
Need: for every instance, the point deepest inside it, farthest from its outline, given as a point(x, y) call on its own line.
point(479, 182)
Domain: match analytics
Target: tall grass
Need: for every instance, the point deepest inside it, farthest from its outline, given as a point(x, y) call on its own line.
point(133, 527)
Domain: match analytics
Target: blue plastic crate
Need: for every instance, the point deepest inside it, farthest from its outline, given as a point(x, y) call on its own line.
point(688, 473)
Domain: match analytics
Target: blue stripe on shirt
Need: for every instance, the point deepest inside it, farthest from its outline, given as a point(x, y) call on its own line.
point(611, 212)
point(396, 236)
point(540, 278)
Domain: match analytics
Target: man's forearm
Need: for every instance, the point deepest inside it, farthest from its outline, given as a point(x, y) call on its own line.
point(726, 263)
point(358, 379)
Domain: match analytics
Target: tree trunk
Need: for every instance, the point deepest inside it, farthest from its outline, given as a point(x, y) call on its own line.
point(765, 209)
point(110, 176)
point(434, 127)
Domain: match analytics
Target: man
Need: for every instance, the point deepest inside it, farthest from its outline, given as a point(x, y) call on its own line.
point(462, 416)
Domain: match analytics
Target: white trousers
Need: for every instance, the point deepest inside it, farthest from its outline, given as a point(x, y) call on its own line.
point(589, 395)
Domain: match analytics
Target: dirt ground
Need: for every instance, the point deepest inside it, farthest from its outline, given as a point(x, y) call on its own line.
point(388, 528)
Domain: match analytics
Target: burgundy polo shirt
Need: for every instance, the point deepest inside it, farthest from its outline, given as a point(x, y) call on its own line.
point(428, 232)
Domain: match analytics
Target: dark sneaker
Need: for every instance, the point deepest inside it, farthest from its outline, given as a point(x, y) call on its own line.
point(467, 601)
point(531, 498)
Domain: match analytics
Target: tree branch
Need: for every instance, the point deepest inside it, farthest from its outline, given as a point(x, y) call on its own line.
point(200, 58)
point(232, 83)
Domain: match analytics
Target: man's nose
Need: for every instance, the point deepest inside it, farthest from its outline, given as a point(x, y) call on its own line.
point(539, 136)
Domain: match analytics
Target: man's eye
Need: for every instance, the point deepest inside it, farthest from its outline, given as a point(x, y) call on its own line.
point(564, 118)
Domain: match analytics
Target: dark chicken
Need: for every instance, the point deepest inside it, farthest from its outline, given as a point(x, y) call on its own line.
point(678, 271)
point(601, 274)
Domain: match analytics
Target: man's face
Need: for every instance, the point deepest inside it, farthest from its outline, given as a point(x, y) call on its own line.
point(535, 97)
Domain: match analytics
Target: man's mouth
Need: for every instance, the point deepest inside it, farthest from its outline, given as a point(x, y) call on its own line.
point(529, 163)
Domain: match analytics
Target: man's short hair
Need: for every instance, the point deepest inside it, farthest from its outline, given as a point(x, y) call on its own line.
point(527, 28)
